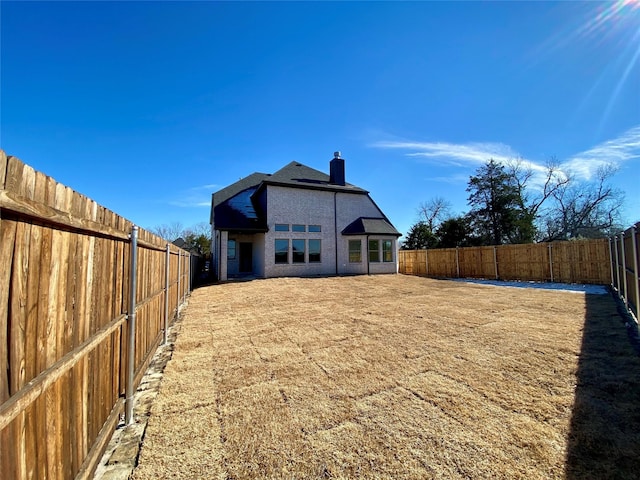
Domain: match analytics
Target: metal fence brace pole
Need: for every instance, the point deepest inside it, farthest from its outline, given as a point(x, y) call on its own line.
point(189, 273)
point(495, 260)
point(611, 263)
point(551, 261)
point(178, 299)
point(457, 263)
point(131, 317)
point(188, 257)
point(634, 234)
point(166, 293)
point(615, 248)
point(624, 272)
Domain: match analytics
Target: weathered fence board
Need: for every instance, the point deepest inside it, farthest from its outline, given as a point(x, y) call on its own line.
point(64, 296)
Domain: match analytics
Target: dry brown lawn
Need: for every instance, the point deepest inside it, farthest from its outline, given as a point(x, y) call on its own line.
point(395, 377)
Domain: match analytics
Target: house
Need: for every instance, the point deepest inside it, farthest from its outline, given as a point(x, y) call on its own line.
point(297, 222)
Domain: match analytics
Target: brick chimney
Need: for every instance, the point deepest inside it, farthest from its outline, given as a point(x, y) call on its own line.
point(336, 170)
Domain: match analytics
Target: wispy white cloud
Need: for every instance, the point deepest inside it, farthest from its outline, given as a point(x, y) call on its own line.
point(196, 197)
point(621, 149)
point(190, 203)
point(210, 186)
point(457, 179)
point(585, 164)
point(453, 153)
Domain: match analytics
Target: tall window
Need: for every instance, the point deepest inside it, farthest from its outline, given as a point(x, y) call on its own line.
point(231, 249)
point(355, 251)
point(314, 251)
point(282, 251)
point(298, 251)
point(374, 251)
point(387, 254)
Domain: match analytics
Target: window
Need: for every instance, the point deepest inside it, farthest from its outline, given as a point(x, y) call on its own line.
point(314, 251)
point(282, 227)
point(314, 228)
point(298, 228)
point(231, 249)
point(282, 251)
point(355, 251)
point(298, 251)
point(374, 251)
point(387, 254)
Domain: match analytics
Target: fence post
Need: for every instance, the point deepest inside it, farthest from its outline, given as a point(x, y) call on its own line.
point(188, 274)
point(457, 263)
point(615, 248)
point(611, 263)
point(131, 317)
point(166, 293)
point(178, 299)
point(495, 260)
point(551, 261)
point(624, 272)
point(634, 233)
point(426, 260)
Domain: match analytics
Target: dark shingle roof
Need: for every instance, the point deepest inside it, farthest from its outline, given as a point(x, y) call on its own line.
point(298, 175)
point(239, 213)
point(234, 207)
point(370, 226)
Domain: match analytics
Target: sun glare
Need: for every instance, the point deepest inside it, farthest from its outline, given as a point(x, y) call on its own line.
point(615, 24)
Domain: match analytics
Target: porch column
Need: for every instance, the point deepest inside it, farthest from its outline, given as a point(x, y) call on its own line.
point(224, 238)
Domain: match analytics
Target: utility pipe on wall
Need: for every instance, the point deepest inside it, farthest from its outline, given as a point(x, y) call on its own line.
point(131, 318)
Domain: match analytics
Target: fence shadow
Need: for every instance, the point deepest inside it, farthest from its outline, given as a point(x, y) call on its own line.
point(604, 436)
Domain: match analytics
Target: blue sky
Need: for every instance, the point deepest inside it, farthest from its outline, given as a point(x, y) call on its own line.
point(149, 107)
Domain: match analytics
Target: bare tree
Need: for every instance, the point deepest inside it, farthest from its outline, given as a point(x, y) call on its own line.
point(434, 211)
point(170, 231)
point(531, 198)
point(585, 210)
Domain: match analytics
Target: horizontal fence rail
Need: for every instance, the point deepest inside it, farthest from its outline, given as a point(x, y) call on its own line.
point(625, 265)
point(83, 308)
point(582, 261)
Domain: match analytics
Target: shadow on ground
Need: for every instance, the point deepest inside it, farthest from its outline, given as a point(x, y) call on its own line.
point(604, 436)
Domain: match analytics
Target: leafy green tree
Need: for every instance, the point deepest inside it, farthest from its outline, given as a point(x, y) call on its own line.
point(455, 232)
point(420, 237)
point(496, 214)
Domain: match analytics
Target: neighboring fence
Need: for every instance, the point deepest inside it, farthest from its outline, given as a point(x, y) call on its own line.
point(625, 265)
point(583, 261)
point(66, 318)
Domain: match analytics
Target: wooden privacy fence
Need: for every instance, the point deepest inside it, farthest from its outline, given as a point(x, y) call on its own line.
point(583, 261)
point(625, 265)
point(77, 328)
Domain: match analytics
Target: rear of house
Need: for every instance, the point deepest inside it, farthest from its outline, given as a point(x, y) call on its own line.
point(300, 222)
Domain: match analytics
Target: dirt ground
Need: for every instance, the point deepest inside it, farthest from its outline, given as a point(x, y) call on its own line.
point(395, 377)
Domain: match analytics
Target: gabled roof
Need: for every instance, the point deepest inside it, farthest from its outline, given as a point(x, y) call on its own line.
point(236, 207)
point(297, 175)
point(370, 226)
